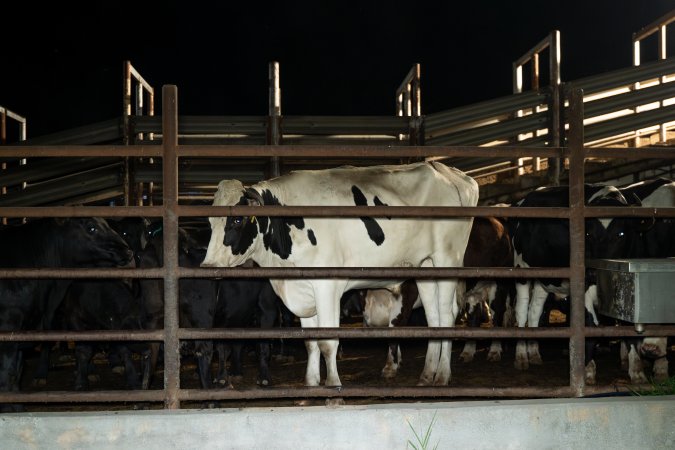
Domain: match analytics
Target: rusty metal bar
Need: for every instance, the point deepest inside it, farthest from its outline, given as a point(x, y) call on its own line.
point(48, 151)
point(335, 333)
point(654, 26)
point(81, 211)
point(370, 211)
point(290, 272)
point(577, 242)
point(170, 236)
point(434, 392)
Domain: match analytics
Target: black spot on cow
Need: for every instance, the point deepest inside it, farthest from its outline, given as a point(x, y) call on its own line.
point(372, 227)
point(277, 230)
point(312, 238)
point(240, 232)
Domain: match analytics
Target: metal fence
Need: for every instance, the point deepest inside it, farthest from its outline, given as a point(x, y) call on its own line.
point(170, 151)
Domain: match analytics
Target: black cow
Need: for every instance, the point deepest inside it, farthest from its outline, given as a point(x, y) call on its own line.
point(197, 298)
point(30, 304)
point(93, 305)
point(245, 303)
point(103, 305)
point(644, 238)
point(545, 243)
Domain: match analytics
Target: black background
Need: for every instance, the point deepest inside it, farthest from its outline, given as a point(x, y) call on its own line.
point(62, 61)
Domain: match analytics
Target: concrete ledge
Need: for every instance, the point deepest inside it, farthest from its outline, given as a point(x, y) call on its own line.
point(598, 423)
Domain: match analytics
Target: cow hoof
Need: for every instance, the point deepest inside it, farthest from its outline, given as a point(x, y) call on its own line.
point(263, 383)
point(225, 384)
point(388, 374)
point(94, 378)
point(638, 378)
point(536, 360)
point(466, 357)
point(425, 381)
point(334, 402)
point(521, 364)
point(590, 373)
point(494, 357)
point(38, 382)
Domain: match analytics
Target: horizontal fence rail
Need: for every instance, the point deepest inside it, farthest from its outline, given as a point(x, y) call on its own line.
point(170, 152)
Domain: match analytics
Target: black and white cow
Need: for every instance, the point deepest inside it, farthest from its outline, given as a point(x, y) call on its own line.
point(487, 302)
point(50, 243)
point(489, 246)
point(350, 242)
point(545, 243)
point(645, 238)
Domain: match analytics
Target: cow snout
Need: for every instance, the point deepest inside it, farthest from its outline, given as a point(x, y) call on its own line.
point(649, 350)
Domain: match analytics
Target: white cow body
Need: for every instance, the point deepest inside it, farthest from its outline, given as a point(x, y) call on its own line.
point(350, 242)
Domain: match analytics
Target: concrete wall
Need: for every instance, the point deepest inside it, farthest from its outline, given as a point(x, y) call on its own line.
point(606, 423)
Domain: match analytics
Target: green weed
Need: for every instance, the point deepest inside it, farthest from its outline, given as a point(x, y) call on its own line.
point(422, 440)
point(666, 387)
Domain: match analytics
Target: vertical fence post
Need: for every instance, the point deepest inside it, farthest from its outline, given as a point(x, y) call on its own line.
point(274, 119)
point(170, 232)
point(577, 241)
point(126, 115)
point(555, 164)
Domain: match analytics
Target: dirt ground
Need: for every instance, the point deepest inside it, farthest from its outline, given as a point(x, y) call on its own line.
point(360, 365)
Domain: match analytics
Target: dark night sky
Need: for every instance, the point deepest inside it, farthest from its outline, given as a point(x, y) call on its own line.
point(341, 58)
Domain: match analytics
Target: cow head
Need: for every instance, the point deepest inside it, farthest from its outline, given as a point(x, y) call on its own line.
point(233, 239)
point(89, 241)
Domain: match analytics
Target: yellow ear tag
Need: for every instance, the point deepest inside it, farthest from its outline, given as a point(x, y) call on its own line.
point(252, 219)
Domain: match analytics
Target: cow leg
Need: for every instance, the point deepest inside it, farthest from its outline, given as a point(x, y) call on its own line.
point(522, 306)
point(130, 371)
point(469, 351)
point(636, 370)
point(656, 348)
point(393, 361)
point(83, 353)
point(495, 353)
point(623, 354)
point(204, 354)
point(328, 315)
point(236, 369)
point(591, 320)
point(146, 368)
point(154, 357)
point(536, 307)
point(312, 373)
point(268, 308)
point(40, 377)
point(222, 378)
point(439, 299)
point(428, 291)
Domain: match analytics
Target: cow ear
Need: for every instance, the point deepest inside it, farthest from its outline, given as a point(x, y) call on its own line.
point(253, 197)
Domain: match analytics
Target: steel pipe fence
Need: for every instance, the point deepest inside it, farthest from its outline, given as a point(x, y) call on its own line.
point(170, 152)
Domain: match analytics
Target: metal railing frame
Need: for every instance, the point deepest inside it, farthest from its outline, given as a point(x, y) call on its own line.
point(658, 26)
point(170, 151)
